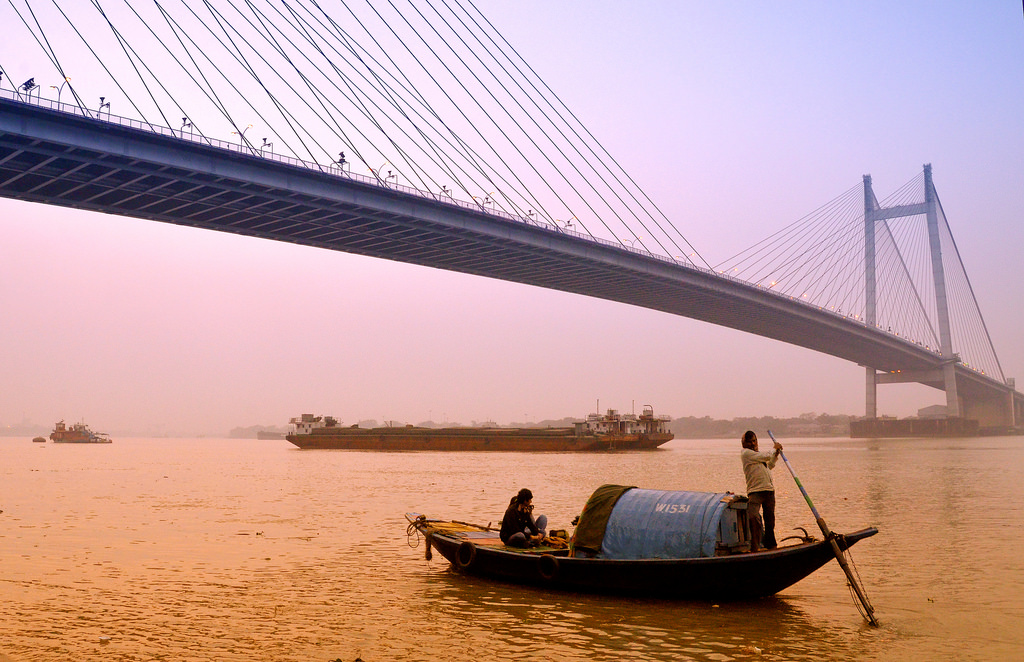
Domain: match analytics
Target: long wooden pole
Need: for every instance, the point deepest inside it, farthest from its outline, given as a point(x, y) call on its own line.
point(869, 611)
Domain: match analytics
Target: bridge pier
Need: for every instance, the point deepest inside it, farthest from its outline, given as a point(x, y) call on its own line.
point(992, 409)
point(871, 393)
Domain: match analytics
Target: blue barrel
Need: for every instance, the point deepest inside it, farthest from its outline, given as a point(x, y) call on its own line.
point(658, 524)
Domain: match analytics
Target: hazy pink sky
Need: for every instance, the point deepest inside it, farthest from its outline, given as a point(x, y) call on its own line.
point(736, 118)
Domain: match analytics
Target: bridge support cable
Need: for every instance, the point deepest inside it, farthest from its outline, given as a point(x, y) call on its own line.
point(394, 96)
point(323, 86)
point(495, 151)
point(588, 140)
point(454, 35)
point(206, 85)
point(40, 38)
point(560, 124)
point(902, 265)
point(968, 330)
point(909, 281)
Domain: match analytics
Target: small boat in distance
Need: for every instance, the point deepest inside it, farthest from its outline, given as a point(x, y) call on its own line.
point(649, 543)
point(78, 433)
point(39, 440)
point(611, 431)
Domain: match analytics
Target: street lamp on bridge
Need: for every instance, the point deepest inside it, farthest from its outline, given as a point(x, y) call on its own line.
point(103, 104)
point(60, 89)
point(376, 171)
point(241, 135)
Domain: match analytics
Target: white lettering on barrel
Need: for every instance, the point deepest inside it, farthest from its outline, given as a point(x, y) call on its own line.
point(671, 508)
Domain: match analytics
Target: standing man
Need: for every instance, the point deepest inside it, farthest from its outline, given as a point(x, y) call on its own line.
point(757, 468)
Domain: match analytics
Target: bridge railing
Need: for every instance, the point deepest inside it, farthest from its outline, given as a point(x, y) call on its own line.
point(187, 132)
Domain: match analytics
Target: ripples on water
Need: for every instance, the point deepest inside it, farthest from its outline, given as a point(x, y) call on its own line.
point(253, 550)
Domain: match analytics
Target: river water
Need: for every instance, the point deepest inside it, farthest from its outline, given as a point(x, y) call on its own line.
point(217, 549)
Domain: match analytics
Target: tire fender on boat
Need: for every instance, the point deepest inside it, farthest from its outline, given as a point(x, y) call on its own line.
point(547, 566)
point(428, 538)
point(465, 555)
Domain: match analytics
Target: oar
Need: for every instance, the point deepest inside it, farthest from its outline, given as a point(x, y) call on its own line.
point(868, 609)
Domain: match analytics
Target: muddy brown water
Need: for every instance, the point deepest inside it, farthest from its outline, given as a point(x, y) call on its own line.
point(217, 549)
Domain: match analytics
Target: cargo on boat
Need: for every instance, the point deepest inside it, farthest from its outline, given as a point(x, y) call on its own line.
point(78, 433)
point(610, 431)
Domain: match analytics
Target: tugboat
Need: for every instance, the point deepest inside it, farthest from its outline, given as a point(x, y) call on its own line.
point(608, 432)
point(78, 433)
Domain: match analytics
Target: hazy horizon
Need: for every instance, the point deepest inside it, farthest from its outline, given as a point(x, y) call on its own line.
point(24, 428)
point(735, 120)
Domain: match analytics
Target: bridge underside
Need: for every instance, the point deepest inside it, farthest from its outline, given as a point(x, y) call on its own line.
point(992, 408)
point(53, 158)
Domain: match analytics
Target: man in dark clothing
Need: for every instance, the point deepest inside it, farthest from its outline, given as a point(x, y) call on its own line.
point(518, 527)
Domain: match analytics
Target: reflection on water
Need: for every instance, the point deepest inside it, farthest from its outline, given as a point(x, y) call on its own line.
point(612, 627)
point(254, 550)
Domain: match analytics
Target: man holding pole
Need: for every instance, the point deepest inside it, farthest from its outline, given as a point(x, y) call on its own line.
point(757, 468)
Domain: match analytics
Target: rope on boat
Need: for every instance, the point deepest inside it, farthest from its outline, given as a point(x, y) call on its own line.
point(805, 538)
point(412, 533)
point(853, 594)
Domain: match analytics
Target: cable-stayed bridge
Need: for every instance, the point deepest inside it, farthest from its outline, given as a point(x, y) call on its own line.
point(531, 196)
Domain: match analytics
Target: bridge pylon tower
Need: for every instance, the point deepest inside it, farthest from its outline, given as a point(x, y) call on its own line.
point(872, 215)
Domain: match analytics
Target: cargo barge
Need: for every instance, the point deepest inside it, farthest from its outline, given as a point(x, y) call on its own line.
point(610, 431)
point(874, 428)
point(78, 433)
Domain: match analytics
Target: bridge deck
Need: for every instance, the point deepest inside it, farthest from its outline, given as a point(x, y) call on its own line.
point(61, 159)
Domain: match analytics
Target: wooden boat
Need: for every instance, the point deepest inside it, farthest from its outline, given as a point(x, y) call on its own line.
point(685, 545)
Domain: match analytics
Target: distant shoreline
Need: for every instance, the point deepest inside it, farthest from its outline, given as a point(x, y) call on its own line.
point(686, 427)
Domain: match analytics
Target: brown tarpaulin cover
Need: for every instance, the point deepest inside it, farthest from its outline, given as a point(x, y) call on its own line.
point(590, 530)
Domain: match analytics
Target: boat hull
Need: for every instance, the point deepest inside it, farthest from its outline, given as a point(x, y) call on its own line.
point(78, 433)
point(72, 438)
point(718, 578)
point(470, 439)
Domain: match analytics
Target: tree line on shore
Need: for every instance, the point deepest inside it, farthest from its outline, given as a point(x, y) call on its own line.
point(805, 425)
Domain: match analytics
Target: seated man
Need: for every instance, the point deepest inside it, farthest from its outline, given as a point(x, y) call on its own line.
point(518, 527)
